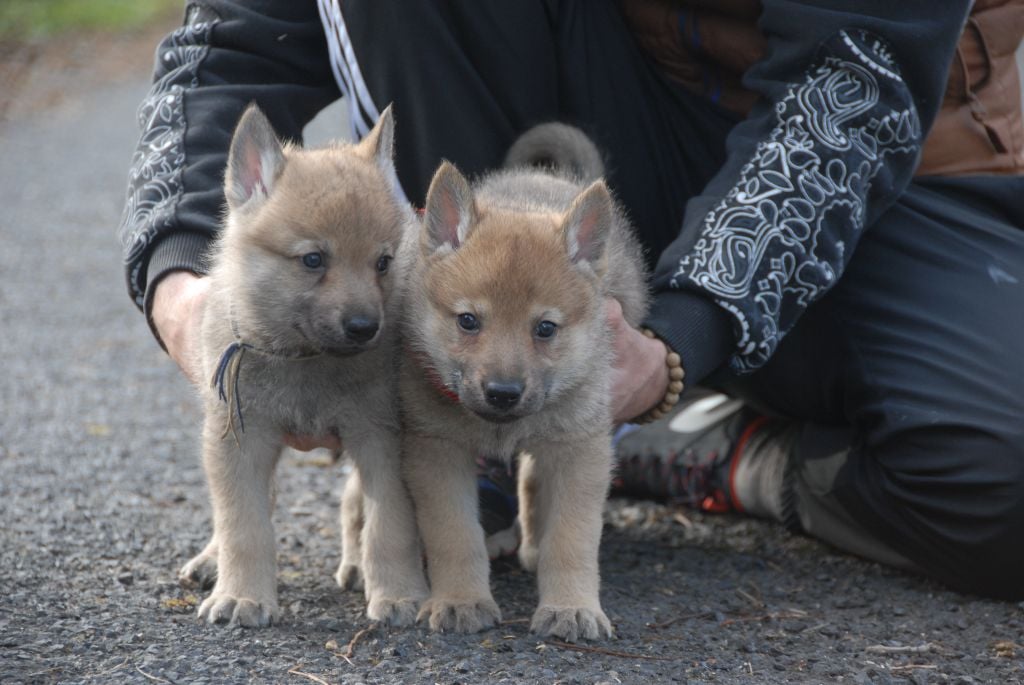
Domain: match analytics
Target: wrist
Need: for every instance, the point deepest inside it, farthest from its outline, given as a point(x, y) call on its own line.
point(665, 386)
point(170, 308)
point(175, 312)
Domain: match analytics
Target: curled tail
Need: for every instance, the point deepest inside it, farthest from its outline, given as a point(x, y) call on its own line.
point(560, 146)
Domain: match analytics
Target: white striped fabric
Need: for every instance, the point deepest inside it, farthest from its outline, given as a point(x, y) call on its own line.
point(363, 114)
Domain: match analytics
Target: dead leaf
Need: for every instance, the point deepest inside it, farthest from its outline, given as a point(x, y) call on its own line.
point(97, 430)
point(180, 605)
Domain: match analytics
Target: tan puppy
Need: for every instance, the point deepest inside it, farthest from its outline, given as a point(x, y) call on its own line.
point(510, 353)
point(299, 335)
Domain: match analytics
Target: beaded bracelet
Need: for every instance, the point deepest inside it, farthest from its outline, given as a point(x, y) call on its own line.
point(675, 385)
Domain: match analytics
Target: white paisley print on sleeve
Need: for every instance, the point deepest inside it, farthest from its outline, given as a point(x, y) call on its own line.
point(154, 180)
point(780, 237)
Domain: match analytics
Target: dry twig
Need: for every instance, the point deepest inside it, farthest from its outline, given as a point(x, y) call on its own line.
point(601, 650)
point(97, 675)
point(154, 678)
point(350, 651)
point(777, 615)
point(683, 520)
point(677, 619)
point(911, 667)
point(903, 649)
point(750, 598)
point(294, 670)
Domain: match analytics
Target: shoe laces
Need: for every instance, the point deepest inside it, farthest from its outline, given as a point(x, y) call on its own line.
point(687, 478)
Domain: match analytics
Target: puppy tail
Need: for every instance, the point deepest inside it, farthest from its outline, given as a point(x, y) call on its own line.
point(560, 147)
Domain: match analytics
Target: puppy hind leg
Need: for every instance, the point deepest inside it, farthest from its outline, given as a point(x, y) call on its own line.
point(350, 571)
point(531, 518)
point(241, 480)
point(201, 571)
point(391, 560)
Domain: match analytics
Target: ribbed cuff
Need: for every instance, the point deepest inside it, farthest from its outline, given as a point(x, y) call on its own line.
point(696, 328)
point(176, 252)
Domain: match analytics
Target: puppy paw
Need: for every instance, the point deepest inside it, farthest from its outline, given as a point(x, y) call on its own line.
point(528, 556)
point(502, 543)
point(244, 611)
point(199, 573)
point(349, 577)
point(571, 623)
point(460, 615)
point(395, 612)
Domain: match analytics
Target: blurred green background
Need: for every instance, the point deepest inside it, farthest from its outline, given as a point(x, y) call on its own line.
point(26, 20)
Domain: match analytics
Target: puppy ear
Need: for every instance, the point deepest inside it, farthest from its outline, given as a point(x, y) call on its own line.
point(451, 210)
point(255, 160)
point(588, 223)
point(379, 144)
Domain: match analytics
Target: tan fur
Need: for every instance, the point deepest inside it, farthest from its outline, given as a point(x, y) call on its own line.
point(516, 249)
point(285, 202)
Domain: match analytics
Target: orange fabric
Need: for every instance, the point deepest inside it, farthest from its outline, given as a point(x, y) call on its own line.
point(737, 454)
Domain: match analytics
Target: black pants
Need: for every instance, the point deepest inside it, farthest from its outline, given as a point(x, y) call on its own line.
point(907, 379)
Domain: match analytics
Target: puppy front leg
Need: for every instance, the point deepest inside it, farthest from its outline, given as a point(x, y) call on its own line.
point(574, 480)
point(240, 481)
point(350, 571)
point(392, 563)
point(442, 480)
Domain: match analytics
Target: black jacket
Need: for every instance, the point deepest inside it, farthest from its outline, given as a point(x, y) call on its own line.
point(848, 88)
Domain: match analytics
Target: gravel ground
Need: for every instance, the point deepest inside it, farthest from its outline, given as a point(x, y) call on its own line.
point(102, 499)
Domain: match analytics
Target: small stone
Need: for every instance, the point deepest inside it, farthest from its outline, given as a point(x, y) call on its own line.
point(126, 578)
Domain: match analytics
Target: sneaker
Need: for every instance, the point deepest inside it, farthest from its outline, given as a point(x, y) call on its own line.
point(686, 458)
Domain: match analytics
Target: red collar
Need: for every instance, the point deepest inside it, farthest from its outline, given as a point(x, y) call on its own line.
point(433, 378)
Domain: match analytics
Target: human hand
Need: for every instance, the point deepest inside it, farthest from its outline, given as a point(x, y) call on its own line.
point(177, 314)
point(639, 378)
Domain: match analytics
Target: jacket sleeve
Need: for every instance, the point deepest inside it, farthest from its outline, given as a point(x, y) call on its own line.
point(227, 54)
point(847, 90)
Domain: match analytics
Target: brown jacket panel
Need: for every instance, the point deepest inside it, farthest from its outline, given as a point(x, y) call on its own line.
point(979, 127)
point(707, 46)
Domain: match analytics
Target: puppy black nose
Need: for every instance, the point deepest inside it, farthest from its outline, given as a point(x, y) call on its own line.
point(360, 328)
point(503, 394)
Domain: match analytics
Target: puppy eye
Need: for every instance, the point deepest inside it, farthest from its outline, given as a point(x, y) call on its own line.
point(545, 329)
point(468, 323)
point(383, 263)
point(313, 260)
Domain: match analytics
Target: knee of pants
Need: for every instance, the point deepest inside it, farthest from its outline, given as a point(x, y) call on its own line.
point(955, 503)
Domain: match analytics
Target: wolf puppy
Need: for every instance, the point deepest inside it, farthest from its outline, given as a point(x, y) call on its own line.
point(511, 353)
point(298, 336)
